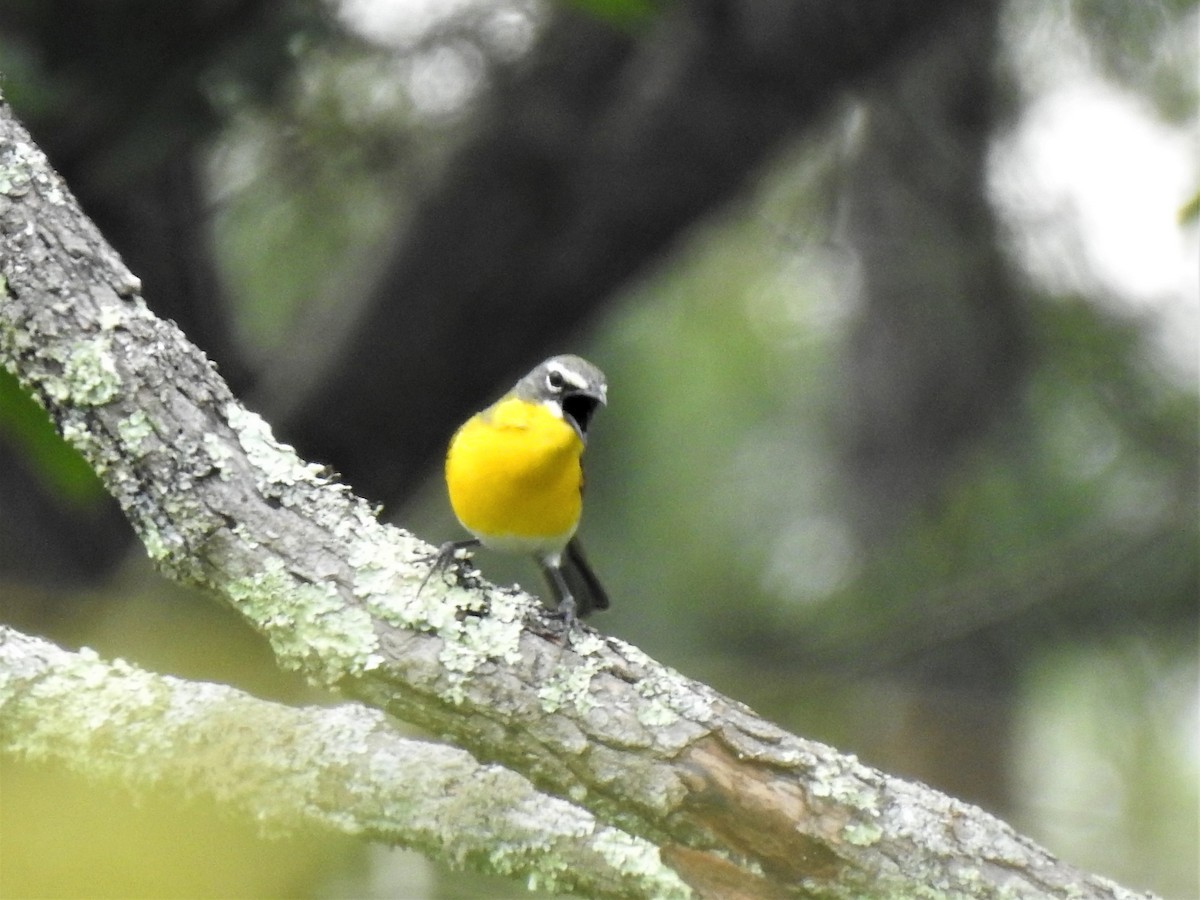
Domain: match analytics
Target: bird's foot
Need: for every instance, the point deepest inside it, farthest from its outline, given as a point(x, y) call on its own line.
point(569, 614)
point(451, 551)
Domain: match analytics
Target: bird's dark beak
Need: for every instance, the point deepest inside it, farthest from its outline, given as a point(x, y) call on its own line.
point(579, 407)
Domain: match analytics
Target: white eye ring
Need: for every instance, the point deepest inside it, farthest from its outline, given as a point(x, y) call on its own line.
point(555, 380)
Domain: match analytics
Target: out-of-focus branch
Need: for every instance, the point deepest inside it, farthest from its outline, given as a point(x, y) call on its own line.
point(342, 768)
point(740, 807)
point(940, 349)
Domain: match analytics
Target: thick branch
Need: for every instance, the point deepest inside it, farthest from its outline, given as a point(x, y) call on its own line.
point(742, 807)
point(341, 768)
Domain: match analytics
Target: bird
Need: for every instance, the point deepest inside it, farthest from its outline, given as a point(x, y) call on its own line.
point(515, 479)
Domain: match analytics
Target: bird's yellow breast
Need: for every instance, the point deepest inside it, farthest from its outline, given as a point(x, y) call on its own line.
point(514, 477)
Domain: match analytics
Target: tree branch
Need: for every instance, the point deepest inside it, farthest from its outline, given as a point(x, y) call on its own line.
point(341, 768)
point(740, 807)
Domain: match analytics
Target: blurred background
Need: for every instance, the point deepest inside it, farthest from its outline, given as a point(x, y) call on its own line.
point(899, 307)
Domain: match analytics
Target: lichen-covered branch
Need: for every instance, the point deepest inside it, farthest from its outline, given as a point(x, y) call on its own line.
point(740, 807)
point(342, 768)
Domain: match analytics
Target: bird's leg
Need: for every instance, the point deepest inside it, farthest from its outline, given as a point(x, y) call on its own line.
point(566, 609)
point(445, 555)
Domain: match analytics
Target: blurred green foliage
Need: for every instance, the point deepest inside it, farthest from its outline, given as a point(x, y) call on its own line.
point(1149, 47)
point(622, 13)
point(25, 424)
point(88, 842)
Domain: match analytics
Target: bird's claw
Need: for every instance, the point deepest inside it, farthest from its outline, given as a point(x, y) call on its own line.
point(446, 553)
point(568, 613)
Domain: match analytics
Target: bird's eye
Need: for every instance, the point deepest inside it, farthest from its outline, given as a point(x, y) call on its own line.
point(555, 381)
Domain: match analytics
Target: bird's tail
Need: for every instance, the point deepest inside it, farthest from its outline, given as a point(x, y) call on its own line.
point(585, 586)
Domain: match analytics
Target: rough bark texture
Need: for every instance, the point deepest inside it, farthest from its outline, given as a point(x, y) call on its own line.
point(740, 807)
point(130, 131)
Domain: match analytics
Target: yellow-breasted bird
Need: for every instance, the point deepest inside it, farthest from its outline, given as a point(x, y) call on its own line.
point(515, 481)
